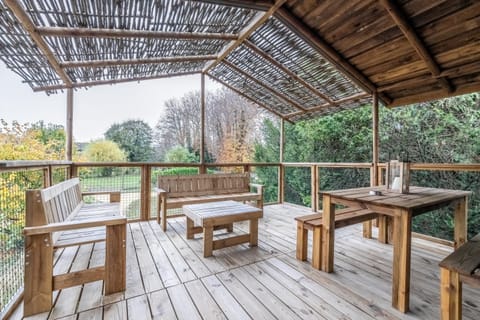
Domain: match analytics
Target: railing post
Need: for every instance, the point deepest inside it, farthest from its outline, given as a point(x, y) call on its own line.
point(145, 192)
point(202, 169)
point(246, 168)
point(47, 176)
point(314, 187)
point(73, 170)
point(281, 183)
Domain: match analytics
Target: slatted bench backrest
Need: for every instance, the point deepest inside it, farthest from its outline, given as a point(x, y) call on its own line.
point(204, 184)
point(54, 204)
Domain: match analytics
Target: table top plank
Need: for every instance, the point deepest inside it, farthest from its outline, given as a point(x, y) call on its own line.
point(418, 197)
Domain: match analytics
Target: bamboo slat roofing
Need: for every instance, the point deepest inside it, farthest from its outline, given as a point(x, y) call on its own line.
point(299, 59)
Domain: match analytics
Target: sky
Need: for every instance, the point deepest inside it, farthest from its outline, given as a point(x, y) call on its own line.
point(94, 109)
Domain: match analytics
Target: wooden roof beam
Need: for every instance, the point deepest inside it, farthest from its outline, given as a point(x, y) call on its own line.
point(311, 37)
point(326, 105)
point(123, 62)
point(289, 72)
point(413, 38)
point(119, 33)
point(105, 82)
point(30, 28)
point(277, 94)
point(259, 19)
point(240, 93)
point(262, 5)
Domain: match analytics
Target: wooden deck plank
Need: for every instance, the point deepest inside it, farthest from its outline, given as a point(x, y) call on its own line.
point(160, 305)
point(205, 303)
point(263, 282)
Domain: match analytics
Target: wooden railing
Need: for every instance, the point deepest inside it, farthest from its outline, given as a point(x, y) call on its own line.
point(136, 180)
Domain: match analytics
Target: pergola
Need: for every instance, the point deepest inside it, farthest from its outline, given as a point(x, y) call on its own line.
point(298, 59)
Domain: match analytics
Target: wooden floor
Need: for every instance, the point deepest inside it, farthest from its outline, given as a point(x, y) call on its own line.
point(168, 278)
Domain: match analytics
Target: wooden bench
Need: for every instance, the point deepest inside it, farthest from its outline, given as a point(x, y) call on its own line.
point(313, 222)
point(57, 217)
point(177, 191)
point(461, 266)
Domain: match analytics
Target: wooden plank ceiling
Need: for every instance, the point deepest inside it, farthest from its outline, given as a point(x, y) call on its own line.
point(296, 58)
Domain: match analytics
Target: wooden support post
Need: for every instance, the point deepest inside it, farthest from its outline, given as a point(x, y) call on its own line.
point(207, 241)
point(115, 259)
point(73, 171)
point(314, 187)
point(328, 234)
point(281, 183)
point(145, 192)
point(302, 239)
point(460, 219)
point(450, 295)
point(47, 176)
point(402, 236)
point(202, 119)
point(69, 125)
point(253, 232)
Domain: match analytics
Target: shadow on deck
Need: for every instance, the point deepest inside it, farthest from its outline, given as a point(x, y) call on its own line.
point(168, 278)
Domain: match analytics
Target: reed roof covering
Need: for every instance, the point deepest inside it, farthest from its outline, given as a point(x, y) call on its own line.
point(297, 58)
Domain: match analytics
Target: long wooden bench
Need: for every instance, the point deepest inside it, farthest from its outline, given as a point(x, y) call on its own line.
point(57, 217)
point(179, 190)
point(313, 222)
point(461, 266)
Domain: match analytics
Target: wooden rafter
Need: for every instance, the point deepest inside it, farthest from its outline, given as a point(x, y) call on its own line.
point(413, 38)
point(29, 26)
point(104, 82)
point(289, 72)
point(262, 5)
point(326, 105)
point(277, 94)
point(312, 38)
point(122, 62)
point(117, 33)
point(259, 19)
point(240, 93)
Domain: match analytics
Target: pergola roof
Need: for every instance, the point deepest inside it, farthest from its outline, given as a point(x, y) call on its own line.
point(297, 58)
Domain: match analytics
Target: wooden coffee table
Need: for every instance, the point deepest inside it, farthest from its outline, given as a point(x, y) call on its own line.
point(207, 217)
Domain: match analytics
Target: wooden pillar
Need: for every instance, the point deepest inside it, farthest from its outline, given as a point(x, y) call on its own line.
point(314, 186)
point(202, 120)
point(376, 139)
point(145, 186)
point(281, 168)
point(69, 125)
point(367, 225)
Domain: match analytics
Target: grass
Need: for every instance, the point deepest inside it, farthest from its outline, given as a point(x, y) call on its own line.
point(124, 183)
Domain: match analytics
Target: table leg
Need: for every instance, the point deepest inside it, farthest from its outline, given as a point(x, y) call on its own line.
point(190, 233)
point(382, 229)
point(328, 234)
point(207, 241)
point(253, 232)
point(402, 231)
point(460, 218)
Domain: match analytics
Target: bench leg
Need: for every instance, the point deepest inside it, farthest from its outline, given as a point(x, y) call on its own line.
point(164, 214)
point(115, 260)
point(253, 232)
point(38, 274)
point(302, 242)
point(190, 233)
point(207, 241)
point(230, 227)
point(367, 229)
point(450, 295)
point(317, 247)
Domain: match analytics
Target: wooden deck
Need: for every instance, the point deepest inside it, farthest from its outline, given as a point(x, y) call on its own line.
point(168, 278)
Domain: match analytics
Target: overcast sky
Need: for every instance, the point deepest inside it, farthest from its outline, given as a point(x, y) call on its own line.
point(96, 108)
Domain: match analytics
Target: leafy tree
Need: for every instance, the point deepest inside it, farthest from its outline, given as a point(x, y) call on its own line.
point(180, 155)
point(104, 151)
point(134, 137)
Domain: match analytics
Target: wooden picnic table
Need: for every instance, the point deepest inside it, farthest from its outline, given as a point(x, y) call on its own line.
point(402, 208)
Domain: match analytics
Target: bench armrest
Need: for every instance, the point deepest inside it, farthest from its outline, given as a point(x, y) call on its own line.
point(160, 192)
point(114, 195)
point(257, 186)
point(72, 225)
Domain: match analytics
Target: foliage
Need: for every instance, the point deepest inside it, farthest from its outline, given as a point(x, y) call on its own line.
point(445, 131)
point(103, 151)
point(134, 137)
point(180, 154)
